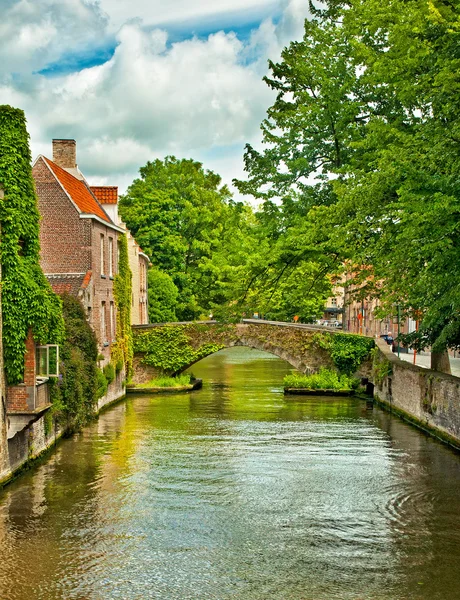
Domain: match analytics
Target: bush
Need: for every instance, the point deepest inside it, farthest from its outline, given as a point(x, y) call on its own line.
point(179, 381)
point(109, 373)
point(102, 384)
point(74, 395)
point(324, 380)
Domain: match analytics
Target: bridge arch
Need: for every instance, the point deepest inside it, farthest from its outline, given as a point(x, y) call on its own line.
point(172, 348)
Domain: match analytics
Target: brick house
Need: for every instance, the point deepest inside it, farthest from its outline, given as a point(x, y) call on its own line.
point(138, 261)
point(78, 239)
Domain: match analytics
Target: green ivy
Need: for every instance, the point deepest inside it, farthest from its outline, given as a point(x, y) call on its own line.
point(168, 348)
point(381, 367)
point(27, 298)
point(347, 350)
point(74, 395)
point(122, 349)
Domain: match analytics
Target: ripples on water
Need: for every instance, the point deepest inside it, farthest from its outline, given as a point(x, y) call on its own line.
point(236, 492)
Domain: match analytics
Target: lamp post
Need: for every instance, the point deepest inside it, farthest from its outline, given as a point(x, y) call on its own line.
point(398, 308)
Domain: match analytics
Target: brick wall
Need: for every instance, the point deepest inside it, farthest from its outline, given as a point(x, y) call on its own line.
point(65, 239)
point(65, 153)
point(102, 283)
point(22, 397)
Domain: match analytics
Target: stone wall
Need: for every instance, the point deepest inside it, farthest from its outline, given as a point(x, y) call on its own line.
point(426, 398)
point(35, 439)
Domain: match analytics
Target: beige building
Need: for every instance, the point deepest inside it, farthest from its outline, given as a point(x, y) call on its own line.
point(138, 261)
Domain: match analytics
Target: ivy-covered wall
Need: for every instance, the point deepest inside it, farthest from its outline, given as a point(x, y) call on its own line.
point(74, 395)
point(172, 348)
point(27, 298)
point(122, 349)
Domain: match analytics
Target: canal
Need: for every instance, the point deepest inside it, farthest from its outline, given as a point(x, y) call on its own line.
point(236, 492)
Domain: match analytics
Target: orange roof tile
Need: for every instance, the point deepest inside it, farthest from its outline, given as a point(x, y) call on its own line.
point(78, 191)
point(106, 194)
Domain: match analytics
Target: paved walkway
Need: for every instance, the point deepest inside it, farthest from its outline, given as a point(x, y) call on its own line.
point(424, 360)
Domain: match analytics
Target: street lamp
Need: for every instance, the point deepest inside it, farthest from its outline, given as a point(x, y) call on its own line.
point(398, 308)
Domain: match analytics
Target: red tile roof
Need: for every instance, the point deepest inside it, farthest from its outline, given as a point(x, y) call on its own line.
point(68, 283)
point(78, 191)
point(106, 194)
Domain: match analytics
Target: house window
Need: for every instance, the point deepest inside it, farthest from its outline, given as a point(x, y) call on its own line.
point(102, 255)
point(111, 257)
point(112, 321)
point(334, 301)
point(103, 323)
point(47, 360)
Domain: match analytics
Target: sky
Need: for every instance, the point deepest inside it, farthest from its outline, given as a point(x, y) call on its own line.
point(135, 80)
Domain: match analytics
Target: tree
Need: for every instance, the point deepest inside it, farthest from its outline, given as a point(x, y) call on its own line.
point(368, 106)
point(180, 214)
point(162, 297)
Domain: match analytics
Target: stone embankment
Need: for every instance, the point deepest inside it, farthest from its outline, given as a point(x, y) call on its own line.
point(428, 399)
point(40, 435)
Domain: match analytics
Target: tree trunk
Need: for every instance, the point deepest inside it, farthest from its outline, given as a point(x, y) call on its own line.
point(440, 362)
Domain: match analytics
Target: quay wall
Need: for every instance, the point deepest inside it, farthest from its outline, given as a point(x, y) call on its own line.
point(428, 399)
point(38, 437)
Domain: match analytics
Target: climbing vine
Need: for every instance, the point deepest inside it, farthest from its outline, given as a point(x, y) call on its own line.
point(27, 298)
point(168, 348)
point(74, 394)
point(122, 349)
point(381, 367)
point(347, 350)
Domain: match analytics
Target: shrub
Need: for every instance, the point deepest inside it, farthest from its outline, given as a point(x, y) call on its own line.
point(178, 381)
point(102, 384)
point(324, 380)
point(74, 395)
point(109, 373)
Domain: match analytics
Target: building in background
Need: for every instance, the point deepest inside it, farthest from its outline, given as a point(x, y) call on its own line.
point(78, 239)
point(138, 261)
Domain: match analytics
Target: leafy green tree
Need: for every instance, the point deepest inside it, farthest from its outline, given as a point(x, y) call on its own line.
point(162, 297)
point(368, 105)
point(179, 213)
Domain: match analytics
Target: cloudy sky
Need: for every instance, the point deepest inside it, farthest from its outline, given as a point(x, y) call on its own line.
point(133, 80)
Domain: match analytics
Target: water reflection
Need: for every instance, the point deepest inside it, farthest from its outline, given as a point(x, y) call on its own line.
point(236, 492)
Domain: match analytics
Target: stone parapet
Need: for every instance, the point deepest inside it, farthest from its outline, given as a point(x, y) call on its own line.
point(428, 399)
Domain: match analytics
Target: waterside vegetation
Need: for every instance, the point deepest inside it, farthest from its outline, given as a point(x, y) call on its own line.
point(325, 379)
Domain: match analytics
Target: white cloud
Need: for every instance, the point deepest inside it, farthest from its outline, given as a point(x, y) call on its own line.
point(199, 98)
point(36, 33)
point(159, 12)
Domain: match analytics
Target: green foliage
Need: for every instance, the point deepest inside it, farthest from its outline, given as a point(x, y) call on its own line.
point(109, 373)
point(367, 103)
point(27, 298)
point(168, 348)
point(347, 350)
point(102, 384)
point(165, 382)
point(162, 297)
point(184, 218)
point(74, 394)
point(381, 367)
point(122, 349)
point(324, 380)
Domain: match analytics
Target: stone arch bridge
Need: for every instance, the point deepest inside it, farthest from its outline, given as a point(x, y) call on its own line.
point(170, 348)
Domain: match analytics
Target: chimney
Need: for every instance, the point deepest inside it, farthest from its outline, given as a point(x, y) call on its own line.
point(65, 153)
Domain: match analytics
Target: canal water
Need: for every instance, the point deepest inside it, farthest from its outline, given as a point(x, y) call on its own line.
point(236, 492)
